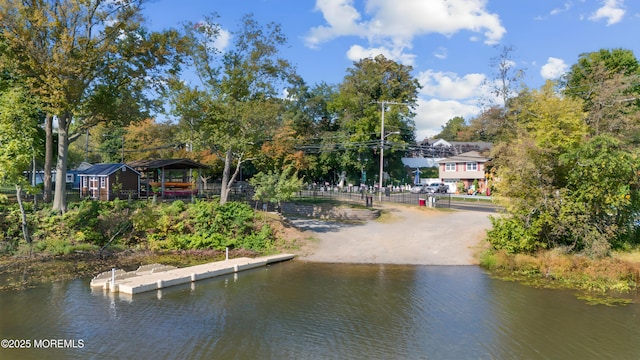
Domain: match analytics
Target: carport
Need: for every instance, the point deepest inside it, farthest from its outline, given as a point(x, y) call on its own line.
point(169, 177)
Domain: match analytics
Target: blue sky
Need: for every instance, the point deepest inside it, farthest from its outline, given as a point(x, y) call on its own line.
point(449, 43)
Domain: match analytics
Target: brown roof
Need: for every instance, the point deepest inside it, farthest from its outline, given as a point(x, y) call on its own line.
point(471, 156)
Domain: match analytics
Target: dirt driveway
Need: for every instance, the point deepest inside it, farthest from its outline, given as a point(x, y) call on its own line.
point(403, 235)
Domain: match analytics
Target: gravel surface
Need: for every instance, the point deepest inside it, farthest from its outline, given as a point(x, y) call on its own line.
point(403, 235)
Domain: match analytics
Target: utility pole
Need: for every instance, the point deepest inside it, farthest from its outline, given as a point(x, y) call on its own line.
point(382, 136)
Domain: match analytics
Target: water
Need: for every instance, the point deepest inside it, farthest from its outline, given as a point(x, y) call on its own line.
point(298, 310)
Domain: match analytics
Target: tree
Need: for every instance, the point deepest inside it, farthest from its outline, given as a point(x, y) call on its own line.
point(602, 199)
point(87, 60)
point(276, 187)
point(149, 139)
point(238, 104)
point(18, 142)
point(487, 126)
point(555, 122)
point(370, 86)
point(497, 121)
point(507, 76)
point(451, 130)
point(560, 188)
point(608, 83)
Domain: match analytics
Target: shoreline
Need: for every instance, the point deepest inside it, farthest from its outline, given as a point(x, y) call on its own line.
point(391, 239)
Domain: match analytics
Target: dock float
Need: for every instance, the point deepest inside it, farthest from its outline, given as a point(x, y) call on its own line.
point(158, 276)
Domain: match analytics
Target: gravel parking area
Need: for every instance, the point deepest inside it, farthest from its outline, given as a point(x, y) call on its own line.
point(404, 235)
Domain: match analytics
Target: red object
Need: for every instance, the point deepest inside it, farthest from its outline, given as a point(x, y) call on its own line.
point(422, 202)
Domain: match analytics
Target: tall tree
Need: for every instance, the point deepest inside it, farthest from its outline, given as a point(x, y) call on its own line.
point(498, 120)
point(306, 120)
point(609, 83)
point(237, 103)
point(371, 86)
point(87, 60)
point(560, 187)
point(149, 139)
point(18, 141)
point(452, 129)
point(507, 75)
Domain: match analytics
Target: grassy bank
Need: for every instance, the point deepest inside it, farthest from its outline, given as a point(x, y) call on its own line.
point(609, 280)
point(95, 237)
point(20, 272)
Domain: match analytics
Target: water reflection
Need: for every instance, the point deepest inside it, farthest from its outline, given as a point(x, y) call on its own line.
point(300, 310)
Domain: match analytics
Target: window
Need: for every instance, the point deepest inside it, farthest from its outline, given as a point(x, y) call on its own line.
point(450, 167)
point(472, 166)
point(103, 182)
point(93, 182)
point(84, 181)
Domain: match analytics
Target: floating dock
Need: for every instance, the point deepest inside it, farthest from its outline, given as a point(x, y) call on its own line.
point(158, 276)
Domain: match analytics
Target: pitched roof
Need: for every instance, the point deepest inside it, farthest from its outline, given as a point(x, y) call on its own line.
point(470, 156)
point(104, 170)
point(166, 163)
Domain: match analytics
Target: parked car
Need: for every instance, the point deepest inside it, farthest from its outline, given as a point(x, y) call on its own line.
point(417, 189)
point(436, 188)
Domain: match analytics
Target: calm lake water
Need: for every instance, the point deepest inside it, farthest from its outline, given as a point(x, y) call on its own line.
point(298, 310)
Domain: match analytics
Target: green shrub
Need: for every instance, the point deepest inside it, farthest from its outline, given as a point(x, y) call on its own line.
point(179, 225)
point(233, 219)
point(513, 236)
point(258, 241)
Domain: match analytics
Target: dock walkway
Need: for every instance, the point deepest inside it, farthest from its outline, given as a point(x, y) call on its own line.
point(157, 276)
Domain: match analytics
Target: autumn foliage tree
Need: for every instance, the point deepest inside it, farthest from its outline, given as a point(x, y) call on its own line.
point(236, 103)
point(88, 61)
point(570, 177)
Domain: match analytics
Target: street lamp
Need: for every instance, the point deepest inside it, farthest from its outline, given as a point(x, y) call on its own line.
point(382, 137)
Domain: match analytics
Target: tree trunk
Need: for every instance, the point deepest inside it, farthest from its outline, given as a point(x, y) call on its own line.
point(23, 215)
point(33, 179)
point(226, 174)
point(48, 158)
point(60, 195)
point(227, 178)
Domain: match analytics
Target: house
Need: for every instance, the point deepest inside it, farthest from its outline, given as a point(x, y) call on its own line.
point(440, 148)
point(109, 181)
point(466, 168)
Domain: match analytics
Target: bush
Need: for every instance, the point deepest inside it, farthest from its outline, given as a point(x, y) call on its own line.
point(201, 225)
point(511, 234)
point(92, 224)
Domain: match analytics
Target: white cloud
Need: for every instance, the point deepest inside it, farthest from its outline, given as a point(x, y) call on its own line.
point(409, 18)
point(222, 41)
point(342, 19)
point(554, 68)
point(612, 10)
point(357, 52)
point(394, 24)
point(450, 85)
point(557, 11)
point(432, 114)
point(444, 96)
point(441, 53)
